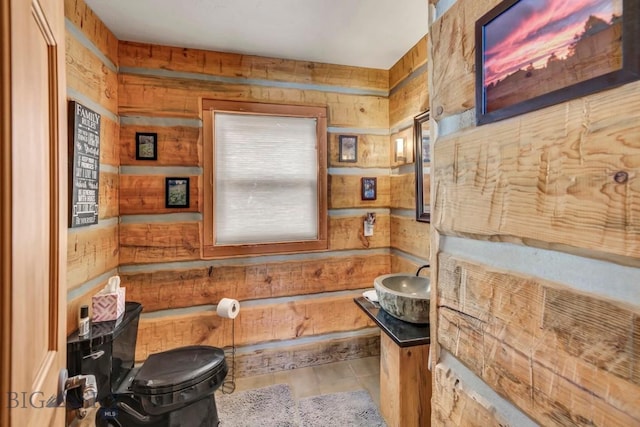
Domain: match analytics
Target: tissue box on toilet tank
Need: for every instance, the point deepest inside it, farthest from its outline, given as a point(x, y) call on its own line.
point(107, 305)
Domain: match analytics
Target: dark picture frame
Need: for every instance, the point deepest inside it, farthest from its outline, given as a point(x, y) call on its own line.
point(177, 192)
point(348, 148)
point(422, 142)
point(146, 146)
point(369, 188)
point(509, 83)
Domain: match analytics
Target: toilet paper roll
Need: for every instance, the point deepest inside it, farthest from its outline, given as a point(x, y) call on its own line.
point(228, 308)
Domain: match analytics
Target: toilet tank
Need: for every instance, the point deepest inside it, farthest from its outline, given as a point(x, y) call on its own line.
point(108, 352)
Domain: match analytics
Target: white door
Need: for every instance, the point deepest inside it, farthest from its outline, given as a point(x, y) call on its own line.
point(34, 198)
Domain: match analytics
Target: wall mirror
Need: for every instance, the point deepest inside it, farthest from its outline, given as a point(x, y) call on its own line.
point(423, 161)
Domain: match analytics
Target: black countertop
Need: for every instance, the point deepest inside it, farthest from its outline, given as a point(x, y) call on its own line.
point(403, 333)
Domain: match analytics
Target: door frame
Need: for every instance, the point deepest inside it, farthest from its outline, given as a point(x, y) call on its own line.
point(5, 210)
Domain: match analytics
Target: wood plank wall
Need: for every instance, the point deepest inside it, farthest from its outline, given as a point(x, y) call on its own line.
point(408, 97)
point(283, 298)
point(556, 351)
point(91, 70)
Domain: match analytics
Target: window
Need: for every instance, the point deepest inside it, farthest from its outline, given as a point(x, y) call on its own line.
point(265, 174)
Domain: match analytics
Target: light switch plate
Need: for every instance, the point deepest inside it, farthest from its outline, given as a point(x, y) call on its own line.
point(368, 229)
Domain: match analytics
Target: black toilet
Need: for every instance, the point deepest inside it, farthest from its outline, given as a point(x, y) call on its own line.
point(171, 389)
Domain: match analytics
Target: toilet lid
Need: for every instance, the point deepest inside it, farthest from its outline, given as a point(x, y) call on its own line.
point(177, 369)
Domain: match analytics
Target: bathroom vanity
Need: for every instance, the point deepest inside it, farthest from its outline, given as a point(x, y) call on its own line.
point(405, 381)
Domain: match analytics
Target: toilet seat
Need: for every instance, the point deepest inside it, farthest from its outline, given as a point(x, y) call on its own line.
point(178, 369)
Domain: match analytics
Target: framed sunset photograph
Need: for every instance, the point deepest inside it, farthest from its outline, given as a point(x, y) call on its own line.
point(532, 54)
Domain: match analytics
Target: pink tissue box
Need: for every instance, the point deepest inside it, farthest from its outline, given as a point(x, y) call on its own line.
point(107, 306)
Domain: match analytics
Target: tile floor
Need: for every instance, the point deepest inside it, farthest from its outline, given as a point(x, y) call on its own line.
point(350, 375)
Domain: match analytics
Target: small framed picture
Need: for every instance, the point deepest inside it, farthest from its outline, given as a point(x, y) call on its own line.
point(369, 190)
point(146, 146)
point(348, 148)
point(177, 193)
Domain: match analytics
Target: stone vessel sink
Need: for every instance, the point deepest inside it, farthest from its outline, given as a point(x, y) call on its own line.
point(404, 296)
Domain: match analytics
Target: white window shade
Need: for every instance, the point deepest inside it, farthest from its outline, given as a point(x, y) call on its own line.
point(266, 179)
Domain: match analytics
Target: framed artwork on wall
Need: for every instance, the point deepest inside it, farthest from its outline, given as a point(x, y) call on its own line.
point(146, 146)
point(84, 165)
point(348, 148)
point(369, 188)
point(177, 192)
point(532, 54)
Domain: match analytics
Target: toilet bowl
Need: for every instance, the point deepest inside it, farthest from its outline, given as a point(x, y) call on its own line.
point(173, 388)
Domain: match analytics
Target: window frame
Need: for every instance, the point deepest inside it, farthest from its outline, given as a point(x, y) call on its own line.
point(209, 107)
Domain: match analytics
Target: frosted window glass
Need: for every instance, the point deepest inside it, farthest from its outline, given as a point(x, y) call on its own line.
point(266, 179)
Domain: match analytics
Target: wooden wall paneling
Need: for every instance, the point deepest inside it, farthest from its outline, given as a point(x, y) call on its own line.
point(455, 331)
point(301, 356)
point(455, 404)
point(516, 320)
point(91, 252)
point(604, 367)
point(548, 178)
point(108, 197)
point(142, 55)
point(400, 264)
point(609, 399)
point(403, 191)
point(203, 328)
point(409, 101)
point(164, 289)
point(555, 397)
point(93, 28)
point(411, 236)
point(410, 61)
point(254, 324)
point(178, 288)
point(302, 318)
point(510, 305)
point(181, 98)
point(348, 233)
point(177, 146)
point(109, 141)
point(372, 151)
point(88, 75)
point(590, 328)
point(159, 242)
point(452, 42)
point(407, 134)
point(558, 400)
point(145, 194)
point(345, 191)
